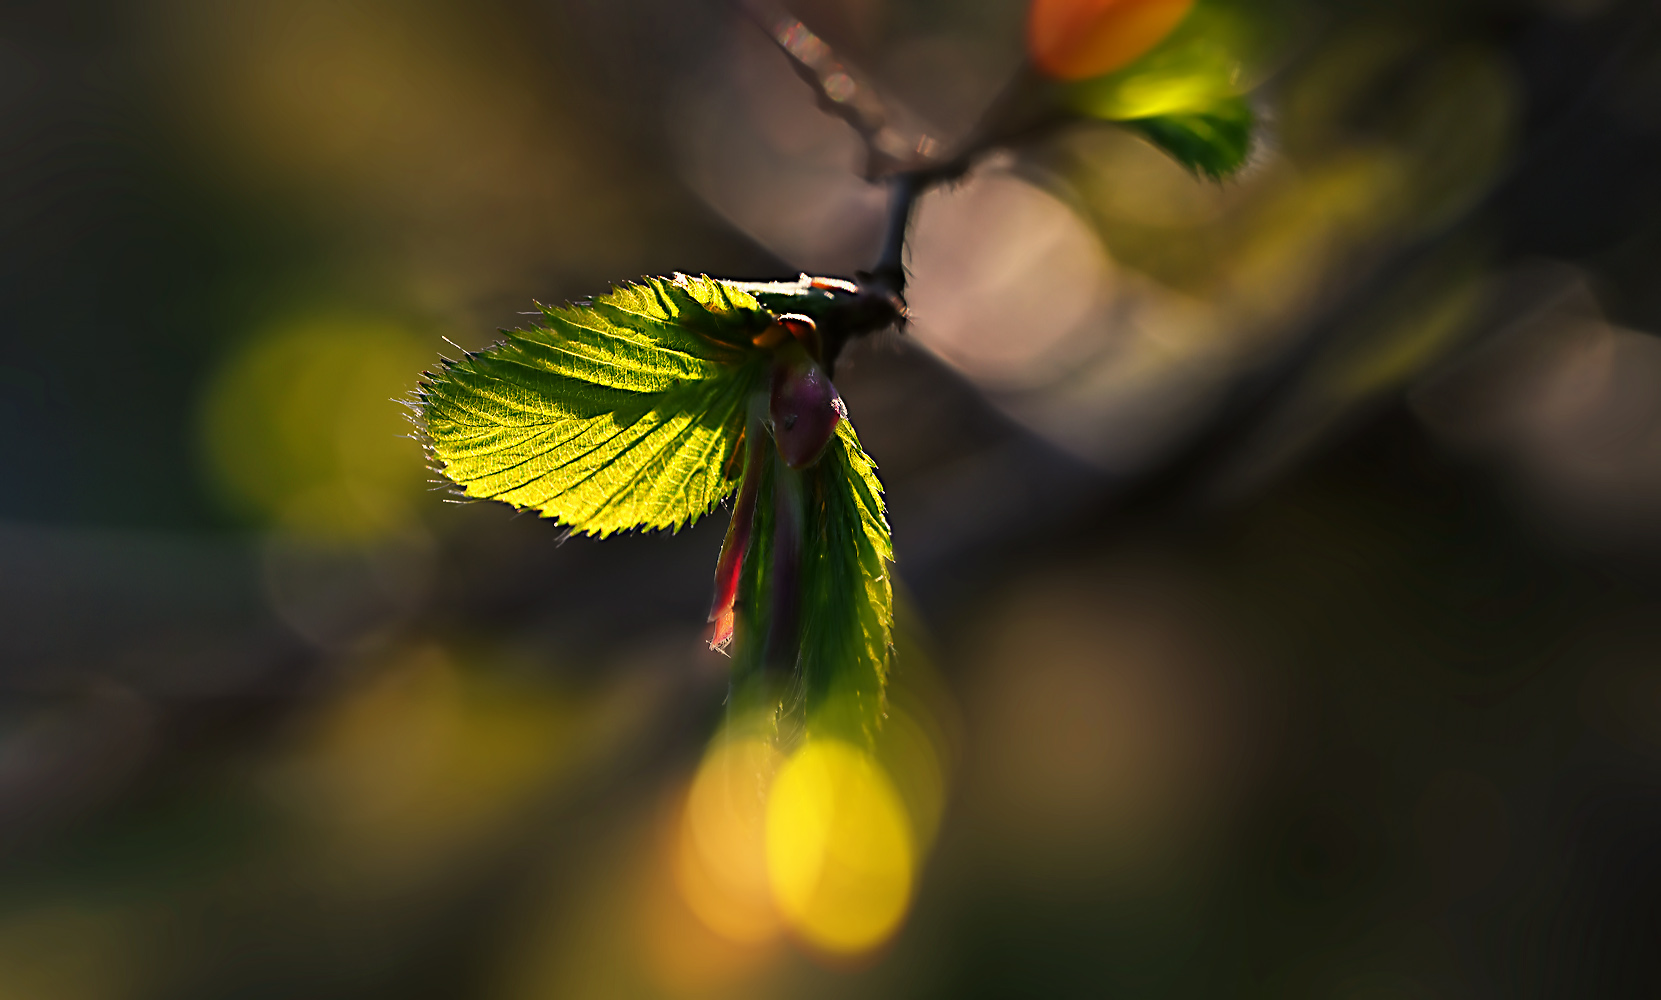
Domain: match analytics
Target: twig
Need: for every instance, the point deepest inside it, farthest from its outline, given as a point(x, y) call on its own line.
point(839, 92)
point(903, 191)
point(909, 163)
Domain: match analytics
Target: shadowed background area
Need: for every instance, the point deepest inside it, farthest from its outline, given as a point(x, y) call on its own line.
point(1281, 558)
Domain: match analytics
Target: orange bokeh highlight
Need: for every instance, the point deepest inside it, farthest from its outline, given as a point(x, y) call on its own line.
point(685, 957)
point(720, 861)
point(1079, 39)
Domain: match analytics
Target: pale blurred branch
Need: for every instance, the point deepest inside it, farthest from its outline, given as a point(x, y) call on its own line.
point(840, 93)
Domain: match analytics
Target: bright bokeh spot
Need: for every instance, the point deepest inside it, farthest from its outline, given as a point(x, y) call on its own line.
point(839, 848)
point(1079, 39)
point(300, 428)
point(720, 863)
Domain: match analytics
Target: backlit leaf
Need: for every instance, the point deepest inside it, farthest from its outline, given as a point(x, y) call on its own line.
point(1215, 142)
point(619, 414)
point(847, 593)
point(1184, 95)
point(846, 599)
point(1196, 66)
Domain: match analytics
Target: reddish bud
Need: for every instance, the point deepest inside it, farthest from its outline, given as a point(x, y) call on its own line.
point(806, 333)
point(804, 408)
point(1079, 39)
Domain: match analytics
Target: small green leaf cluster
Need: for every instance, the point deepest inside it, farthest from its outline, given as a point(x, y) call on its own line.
point(649, 406)
point(1184, 95)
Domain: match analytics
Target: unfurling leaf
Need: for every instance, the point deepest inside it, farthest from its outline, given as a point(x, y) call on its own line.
point(1215, 142)
point(842, 598)
point(848, 596)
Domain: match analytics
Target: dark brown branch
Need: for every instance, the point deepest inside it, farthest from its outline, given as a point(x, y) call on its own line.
point(903, 190)
point(909, 163)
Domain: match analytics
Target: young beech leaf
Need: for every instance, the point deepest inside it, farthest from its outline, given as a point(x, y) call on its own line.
point(839, 596)
point(623, 413)
point(1215, 141)
point(847, 594)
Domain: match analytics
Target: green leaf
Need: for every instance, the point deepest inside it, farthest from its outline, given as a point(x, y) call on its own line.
point(1184, 96)
point(1214, 142)
point(840, 673)
point(1196, 66)
point(847, 593)
point(623, 413)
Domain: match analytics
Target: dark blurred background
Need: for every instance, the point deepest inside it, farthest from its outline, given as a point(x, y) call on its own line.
point(1280, 556)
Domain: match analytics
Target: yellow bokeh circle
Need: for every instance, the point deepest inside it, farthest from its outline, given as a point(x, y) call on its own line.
point(839, 848)
point(301, 429)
